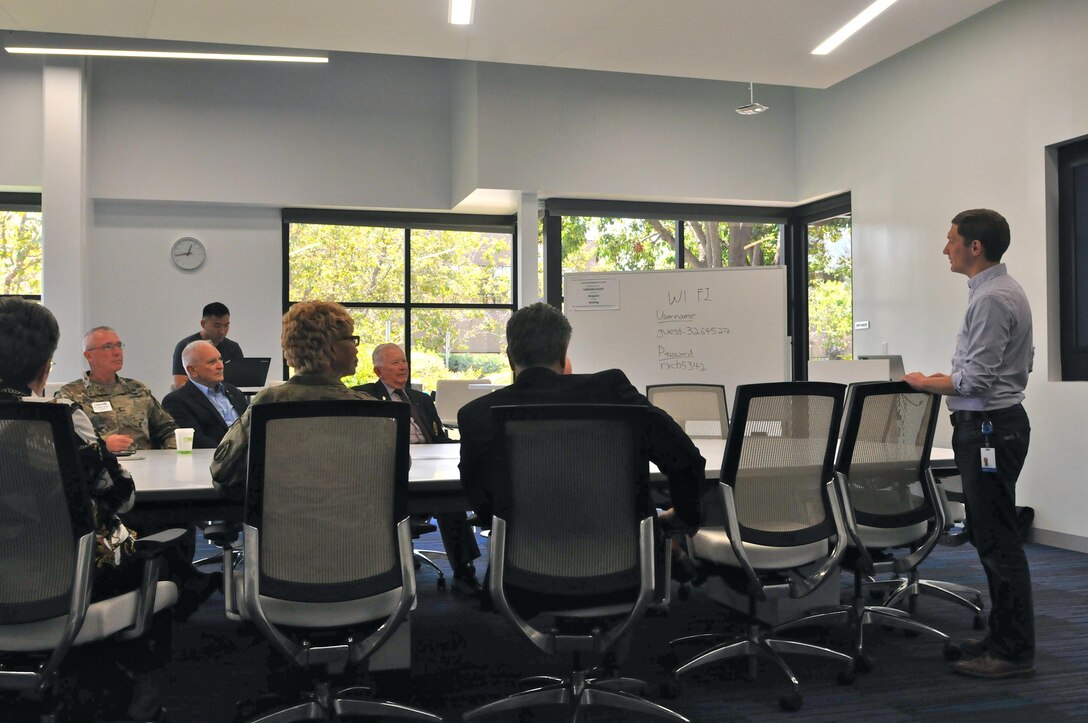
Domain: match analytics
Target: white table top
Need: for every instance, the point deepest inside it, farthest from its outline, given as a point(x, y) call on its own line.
point(164, 472)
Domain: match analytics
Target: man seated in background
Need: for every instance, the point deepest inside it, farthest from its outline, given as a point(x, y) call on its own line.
point(206, 403)
point(391, 368)
point(214, 325)
point(124, 412)
point(537, 338)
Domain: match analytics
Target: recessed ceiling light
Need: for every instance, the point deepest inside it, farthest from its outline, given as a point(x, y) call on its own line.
point(863, 19)
point(169, 54)
point(461, 12)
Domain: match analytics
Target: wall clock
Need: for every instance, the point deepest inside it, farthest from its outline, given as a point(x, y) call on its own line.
point(188, 253)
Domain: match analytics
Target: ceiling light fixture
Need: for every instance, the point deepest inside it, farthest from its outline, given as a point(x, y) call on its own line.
point(169, 54)
point(461, 12)
point(863, 19)
point(751, 107)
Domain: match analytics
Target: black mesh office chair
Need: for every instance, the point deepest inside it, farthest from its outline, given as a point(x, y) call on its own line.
point(774, 525)
point(699, 409)
point(894, 517)
point(572, 546)
point(48, 558)
point(328, 575)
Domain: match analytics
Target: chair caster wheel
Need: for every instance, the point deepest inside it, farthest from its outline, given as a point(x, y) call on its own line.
point(863, 664)
point(684, 592)
point(847, 677)
point(441, 583)
point(978, 623)
point(952, 652)
point(791, 702)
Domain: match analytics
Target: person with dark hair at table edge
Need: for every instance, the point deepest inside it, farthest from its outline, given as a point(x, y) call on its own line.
point(214, 325)
point(31, 335)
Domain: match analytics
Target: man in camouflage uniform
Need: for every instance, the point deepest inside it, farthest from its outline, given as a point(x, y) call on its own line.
point(124, 413)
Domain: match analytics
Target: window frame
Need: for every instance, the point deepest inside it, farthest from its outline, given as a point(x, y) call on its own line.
point(794, 254)
point(407, 221)
point(24, 201)
point(1074, 357)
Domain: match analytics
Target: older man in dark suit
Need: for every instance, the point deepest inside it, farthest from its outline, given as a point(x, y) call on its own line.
point(391, 368)
point(206, 403)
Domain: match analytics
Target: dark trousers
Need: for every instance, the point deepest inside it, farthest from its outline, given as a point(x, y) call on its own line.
point(990, 498)
point(457, 538)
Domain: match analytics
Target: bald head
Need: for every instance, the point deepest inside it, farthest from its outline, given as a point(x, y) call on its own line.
point(202, 363)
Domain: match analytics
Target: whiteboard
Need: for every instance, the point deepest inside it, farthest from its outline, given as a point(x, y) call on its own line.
point(692, 326)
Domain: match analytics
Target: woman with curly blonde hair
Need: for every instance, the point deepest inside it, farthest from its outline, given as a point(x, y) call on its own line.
point(319, 343)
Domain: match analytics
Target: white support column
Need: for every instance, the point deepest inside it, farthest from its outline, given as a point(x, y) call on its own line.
point(528, 257)
point(65, 207)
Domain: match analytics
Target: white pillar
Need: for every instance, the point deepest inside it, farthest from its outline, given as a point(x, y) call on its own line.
point(529, 290)
point(65, 207)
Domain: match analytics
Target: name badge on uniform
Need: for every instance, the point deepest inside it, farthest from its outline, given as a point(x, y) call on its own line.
point(99, 407)
point(989, 459)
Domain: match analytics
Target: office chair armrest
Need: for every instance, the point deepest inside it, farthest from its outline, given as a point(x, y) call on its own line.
point(363, 649)
point(801, 585)
point(940, 522)
point(732, 527)
point(152, 545)
point(865, 560)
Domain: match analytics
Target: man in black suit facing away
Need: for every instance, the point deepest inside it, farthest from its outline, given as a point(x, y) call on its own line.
point(206, 403)
point(537, 338)
point(391, 368)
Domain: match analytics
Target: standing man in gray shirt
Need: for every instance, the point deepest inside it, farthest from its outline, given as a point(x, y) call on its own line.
point(990, 435)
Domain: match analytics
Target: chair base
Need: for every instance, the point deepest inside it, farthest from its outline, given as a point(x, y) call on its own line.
point(351, 702)
point(759, 644)
point(910, 588)
point(575, 694)
point(421, 558)
point(857, 618)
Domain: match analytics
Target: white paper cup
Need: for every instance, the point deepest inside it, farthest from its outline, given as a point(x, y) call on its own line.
point(184, 439)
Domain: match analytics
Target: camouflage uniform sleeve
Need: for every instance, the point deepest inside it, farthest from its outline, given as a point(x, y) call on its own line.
point(161, 424)
point(228, 466)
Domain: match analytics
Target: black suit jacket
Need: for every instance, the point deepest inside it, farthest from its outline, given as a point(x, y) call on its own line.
point(191, 408)
point(422, 402)
point(670, 448)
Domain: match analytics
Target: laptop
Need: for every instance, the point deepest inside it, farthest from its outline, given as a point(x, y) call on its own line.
point(250, 371)
point(895, 364)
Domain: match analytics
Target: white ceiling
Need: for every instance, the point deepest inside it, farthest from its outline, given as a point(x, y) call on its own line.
point(763, 41)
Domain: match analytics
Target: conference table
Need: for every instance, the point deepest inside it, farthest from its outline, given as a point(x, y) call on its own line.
point(180, 485)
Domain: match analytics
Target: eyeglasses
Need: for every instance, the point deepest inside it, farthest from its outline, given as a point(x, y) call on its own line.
point(52, 364)
point(354, 339)
point(108, 347)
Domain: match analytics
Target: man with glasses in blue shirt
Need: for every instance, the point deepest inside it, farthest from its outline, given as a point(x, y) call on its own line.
point(206, 403)
point(124, 413)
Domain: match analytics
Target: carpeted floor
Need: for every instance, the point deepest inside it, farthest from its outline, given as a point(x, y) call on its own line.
point(463, 657)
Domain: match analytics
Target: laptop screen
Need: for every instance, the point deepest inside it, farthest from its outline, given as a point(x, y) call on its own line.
point(250, 371)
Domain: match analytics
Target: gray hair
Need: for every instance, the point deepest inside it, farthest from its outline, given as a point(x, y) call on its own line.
point(92, 331)
point(188, 354)
point(379, 353)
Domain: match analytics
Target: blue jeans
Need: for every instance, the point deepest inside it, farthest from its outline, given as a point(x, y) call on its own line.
point(991, 522)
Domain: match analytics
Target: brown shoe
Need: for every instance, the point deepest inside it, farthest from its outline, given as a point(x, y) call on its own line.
point(972, 647)
point(989, 666)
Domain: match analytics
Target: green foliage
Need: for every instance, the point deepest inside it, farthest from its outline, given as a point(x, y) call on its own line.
point(830, 316)
point(367, 264)
point(20, 252)
point(592, 243)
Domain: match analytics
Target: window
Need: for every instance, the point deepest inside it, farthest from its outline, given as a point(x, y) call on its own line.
point(813, 241)
point(830, 296)
point(21, 245)
point(1073, 258)
point(441, 285)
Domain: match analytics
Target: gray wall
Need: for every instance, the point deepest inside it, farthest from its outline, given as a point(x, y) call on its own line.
point(215, 150)
point(961, 121)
